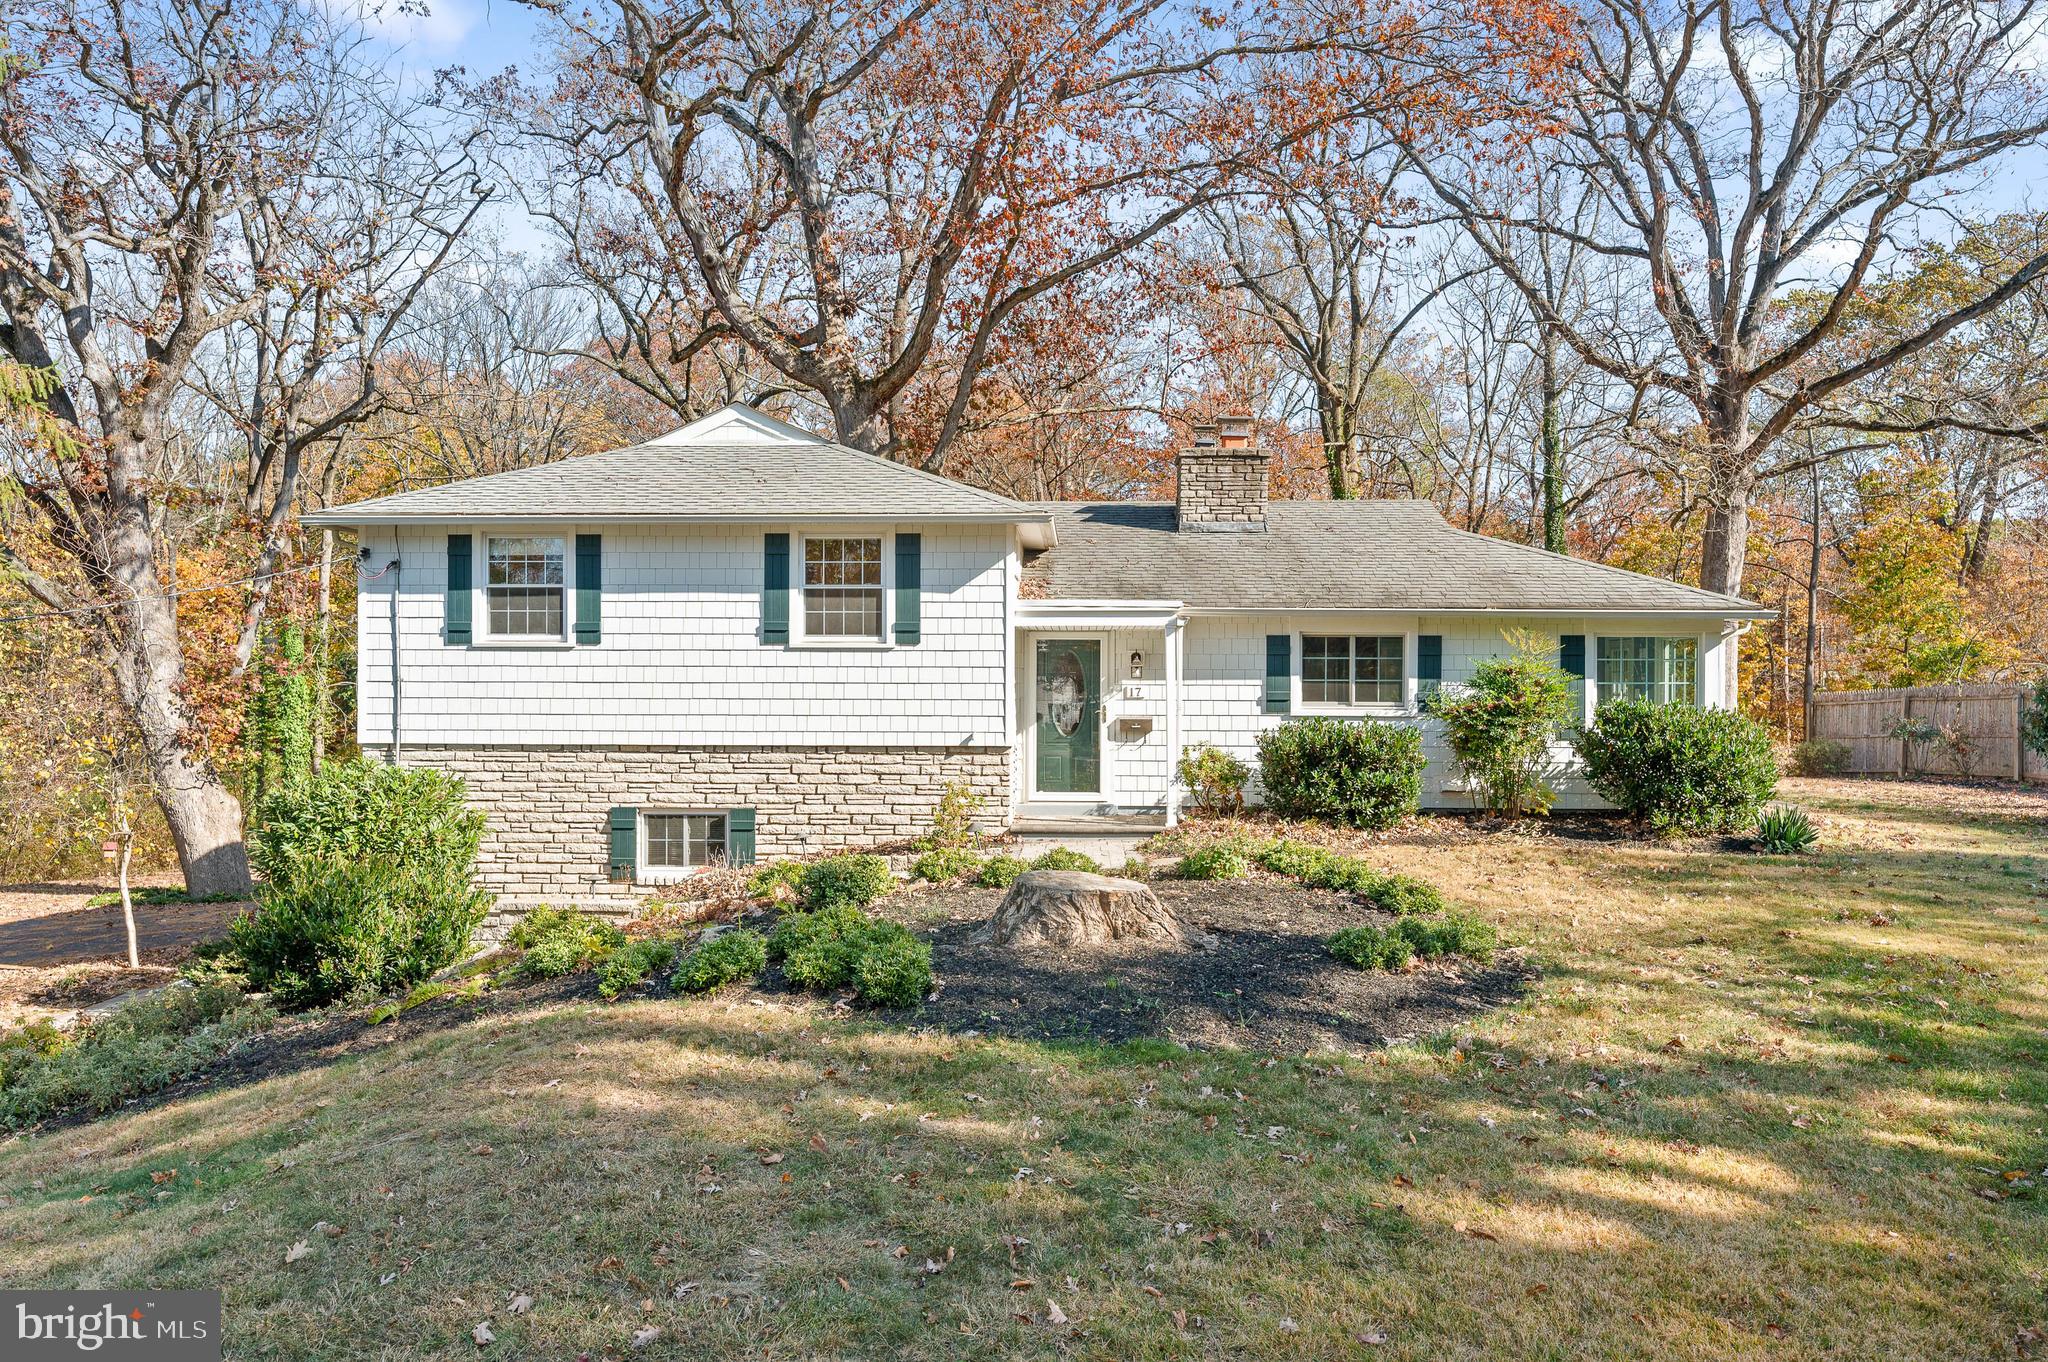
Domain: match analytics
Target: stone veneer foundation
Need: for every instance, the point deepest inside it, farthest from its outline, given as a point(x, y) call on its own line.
point(547, 840)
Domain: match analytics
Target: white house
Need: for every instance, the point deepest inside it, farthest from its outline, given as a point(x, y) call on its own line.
point(742, 640)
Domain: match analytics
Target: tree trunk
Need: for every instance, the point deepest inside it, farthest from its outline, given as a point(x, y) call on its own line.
point(1806, 679)
point(1335, 421)
point(1553, 449)
point(204, 817)
point(127, 836)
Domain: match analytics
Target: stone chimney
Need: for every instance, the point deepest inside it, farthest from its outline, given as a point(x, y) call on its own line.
point(1221, 478)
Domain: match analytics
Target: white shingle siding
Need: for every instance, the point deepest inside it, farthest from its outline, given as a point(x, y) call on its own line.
point(681, 660)
point(1223, 695)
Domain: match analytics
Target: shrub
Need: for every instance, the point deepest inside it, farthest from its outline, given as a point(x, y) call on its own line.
point(1001, 872)
point(1218, 861)
point(1370, 948)
point(22, 1046)
point(1438, 935)
point(356, 810)
point(1135, 868)
point(740, 953)
point(2034, 718)
point(1060, 858)
point(766, 882)
point(329, 929)
point(857, 880)
point(1213, 778)
point(1786, 830)
point(145, 1046)
point(894, 970)
point(631, 965)
point(1296, 860)
point(1499, 728)
point(1820, 757)
point(1344, 874)
point(945, 863)
point(1679, 767)
point(1363, 773)
point(1403, 895)
point(813, 937)
point(953, 819)
point(829, 949)
point(558, 941)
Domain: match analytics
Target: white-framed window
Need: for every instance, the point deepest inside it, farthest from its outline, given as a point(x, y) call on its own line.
point(1353, 671)
point(842, 587)
point(526, 591)
point(674, 841)
point(1662, 670)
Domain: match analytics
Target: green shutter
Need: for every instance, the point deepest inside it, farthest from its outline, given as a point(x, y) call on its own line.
point(589, 588)
point(909, 588)
point(1279, 672)
point(775, 589)
point(1571, 654)
point(625, 836)
point(1429, 657)
point(739, 836)
point(456, 629)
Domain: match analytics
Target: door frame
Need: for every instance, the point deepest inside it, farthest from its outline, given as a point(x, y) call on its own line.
point(1099, 795)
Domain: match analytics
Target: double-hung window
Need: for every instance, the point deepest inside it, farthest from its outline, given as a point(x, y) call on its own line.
point(524, 586)
point(683, 841)
point(1350, 671)
point(1662, 670)
point(843, 588)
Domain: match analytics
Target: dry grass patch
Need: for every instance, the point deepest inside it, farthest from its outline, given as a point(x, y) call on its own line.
point(1738, 1116)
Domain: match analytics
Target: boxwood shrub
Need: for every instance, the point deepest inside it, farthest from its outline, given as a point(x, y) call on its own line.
point(836, 947)
point(1679, 768)
point(1064, 858)
point(857, 879)
point(1370, 948)
point(1001, 872)
point(1360, 772)
point(1441, 934)
point(726, 958)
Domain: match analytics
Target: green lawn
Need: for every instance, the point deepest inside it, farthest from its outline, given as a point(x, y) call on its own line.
point(1755, 1106)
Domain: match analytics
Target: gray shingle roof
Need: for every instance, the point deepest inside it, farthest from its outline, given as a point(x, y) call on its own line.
point(656, 481)
point(1361, 555)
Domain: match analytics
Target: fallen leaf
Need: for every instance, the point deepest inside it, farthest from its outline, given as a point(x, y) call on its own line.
point(482, 1334)
point(1022, 1284)
point(482, 1151)
point(1053, 1313)
point(818, 1143)
point(770, 1160)
point(297, 1251)
point(644, 1336)
point(1373, 1338)
point(521, 1303)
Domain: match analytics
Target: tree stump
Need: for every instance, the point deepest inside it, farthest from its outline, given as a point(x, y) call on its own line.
point(1072, 908)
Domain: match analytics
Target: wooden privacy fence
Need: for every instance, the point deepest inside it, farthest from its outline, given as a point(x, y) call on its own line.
point(1862, 720)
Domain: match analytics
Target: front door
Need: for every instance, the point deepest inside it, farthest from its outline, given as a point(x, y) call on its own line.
point(1069, 733)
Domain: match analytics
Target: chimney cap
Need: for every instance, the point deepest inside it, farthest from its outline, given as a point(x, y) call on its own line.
point(1203, 433)
point(1234, 429)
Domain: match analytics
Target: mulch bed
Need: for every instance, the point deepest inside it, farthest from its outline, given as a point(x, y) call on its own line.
point(1267, 983)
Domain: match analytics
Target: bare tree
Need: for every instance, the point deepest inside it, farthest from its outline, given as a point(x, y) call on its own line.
point(855, 187)
point(1741, 150)
point(1315, 256)
point(171, 199)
